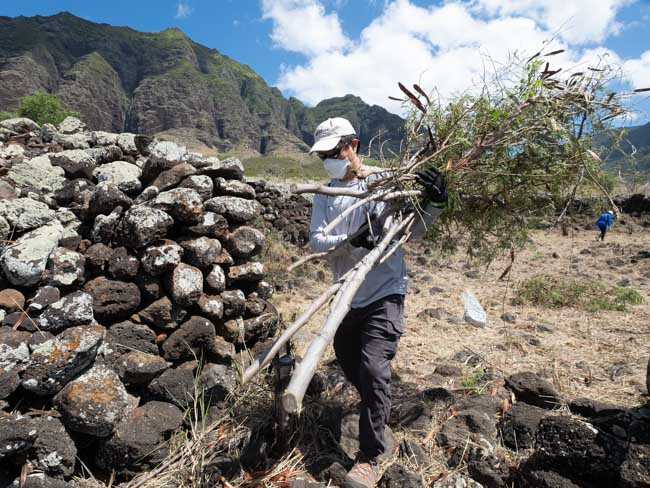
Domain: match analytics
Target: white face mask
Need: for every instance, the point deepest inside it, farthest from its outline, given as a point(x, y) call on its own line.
point(336, 168)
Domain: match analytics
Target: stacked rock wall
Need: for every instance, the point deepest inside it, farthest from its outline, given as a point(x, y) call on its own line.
point(129, 274)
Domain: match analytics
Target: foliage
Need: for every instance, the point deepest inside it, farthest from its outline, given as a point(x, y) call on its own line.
point(44, 108)
point(592, 296)
point(513, 151)
point(473, 380)
point(7, 115)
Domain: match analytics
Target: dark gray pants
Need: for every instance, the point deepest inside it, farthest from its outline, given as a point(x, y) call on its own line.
point(365, 343)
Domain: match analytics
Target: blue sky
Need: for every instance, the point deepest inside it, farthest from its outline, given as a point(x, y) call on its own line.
point(314, 49)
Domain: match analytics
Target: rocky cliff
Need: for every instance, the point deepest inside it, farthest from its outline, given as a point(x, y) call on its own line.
point(120, 79)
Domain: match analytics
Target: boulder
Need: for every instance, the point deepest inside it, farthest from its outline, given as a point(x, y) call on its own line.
point(142, 225)
point(23, 214)
point(161, 256)
point(126, 336)
point(236, 210)
point(234, 302)
point(94, 403)
point(530, 388)
point(65, 268)
point(245, 242)
point(252, 271)
point(185, 284)
point(519, 426)
point(231, 168)
point(399, 476)
point(76, 163)
point(125, 175)
point(43, 298)
point(11, 300)
point(97, 257)
point(70, 311)
point(71, 125)
point(176, 385)
point(183, 204)
point(163, 314)
point(211, 307)
point(37, 173)
point(23, 263)
point(200, 252)
point(233, 188)
point(192, 340)
point(137, 368)
point(105, 197)
point(122, 265)
point(201, 183)
point(138, 438)
point(20, 125)
point(105, 228)
point(217, 381)
point(216, 279)
point(173, 176)
point(211, 225)
point(102, 138)
point(54, 453)
point(113, 300)
point(55, 362)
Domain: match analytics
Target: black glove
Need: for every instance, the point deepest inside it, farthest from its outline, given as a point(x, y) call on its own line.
point(434, 186)
point(370, 236)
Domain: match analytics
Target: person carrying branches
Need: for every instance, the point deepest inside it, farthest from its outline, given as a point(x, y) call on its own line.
point(367, 339)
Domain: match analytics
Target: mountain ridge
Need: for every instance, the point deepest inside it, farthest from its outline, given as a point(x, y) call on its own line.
point(121, 79)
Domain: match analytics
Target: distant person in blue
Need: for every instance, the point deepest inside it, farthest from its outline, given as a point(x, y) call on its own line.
point(605, 221)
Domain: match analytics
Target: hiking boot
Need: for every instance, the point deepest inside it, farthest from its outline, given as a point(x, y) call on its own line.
point(364, 474)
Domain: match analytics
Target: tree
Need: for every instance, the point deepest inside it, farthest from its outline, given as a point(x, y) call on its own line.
point(44, 108)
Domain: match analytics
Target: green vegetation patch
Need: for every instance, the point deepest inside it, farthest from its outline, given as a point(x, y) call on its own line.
point(42, 108)
point(589, 295)
point(284, 168)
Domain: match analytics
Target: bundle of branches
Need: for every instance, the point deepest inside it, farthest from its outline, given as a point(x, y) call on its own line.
point(517, 148)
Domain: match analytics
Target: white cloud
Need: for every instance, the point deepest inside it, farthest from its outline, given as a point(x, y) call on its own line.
point(443, 46)
point(183, 9)
point(303, 26)
point(638, 70)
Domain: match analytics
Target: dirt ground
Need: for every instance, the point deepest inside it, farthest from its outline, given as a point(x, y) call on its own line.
point(600, 355)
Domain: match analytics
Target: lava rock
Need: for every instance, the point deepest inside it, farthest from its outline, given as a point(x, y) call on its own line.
point(24, 262)
point(200, 252)
point(252, 271)
point(194, 338)
point(105, 198)
point(185, 284)
point(211, 225)
point(175, 386)
point(234, 188)
point(230, 168)
point(137, 368)
point(23, 214)
point(65, 267)
point(125, 175)
point(94, 403)
point(16, 434)
point(349, 439)
point(216, 279)
point(211, 307)
point(520, 424)
point(530, 388)
point(113, 300)
point(11, 300)
point(161, 256)
point(126, 336)
point(201, 183)
point(399, 476)
point(122, 265)
point(173, 176)
point(236, 210)
point(245, 242)
point(72, 310)
point(97, 257)
point(142, 225)
point(183, 204)
point(77, 163)
point(53, 452)
point(163, 314)
point(138, 438)
point(592, 408)
point(55, 362)
point(234, 302)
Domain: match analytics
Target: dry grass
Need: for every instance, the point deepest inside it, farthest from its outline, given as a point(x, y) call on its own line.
point(599, 355)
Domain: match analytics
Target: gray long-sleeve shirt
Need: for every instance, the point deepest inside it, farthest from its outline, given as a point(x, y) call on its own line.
point(384, 279)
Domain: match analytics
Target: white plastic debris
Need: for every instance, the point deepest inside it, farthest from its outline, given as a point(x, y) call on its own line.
point(474, 313)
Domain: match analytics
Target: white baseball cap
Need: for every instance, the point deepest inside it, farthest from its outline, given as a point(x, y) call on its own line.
point(328, 134)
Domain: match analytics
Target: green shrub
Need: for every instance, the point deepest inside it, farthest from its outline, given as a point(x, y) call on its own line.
point(44, 108)
point(7, 115)
point(592, 296)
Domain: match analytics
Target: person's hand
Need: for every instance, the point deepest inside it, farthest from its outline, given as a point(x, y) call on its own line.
point(370, 236)
point(434, 186)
